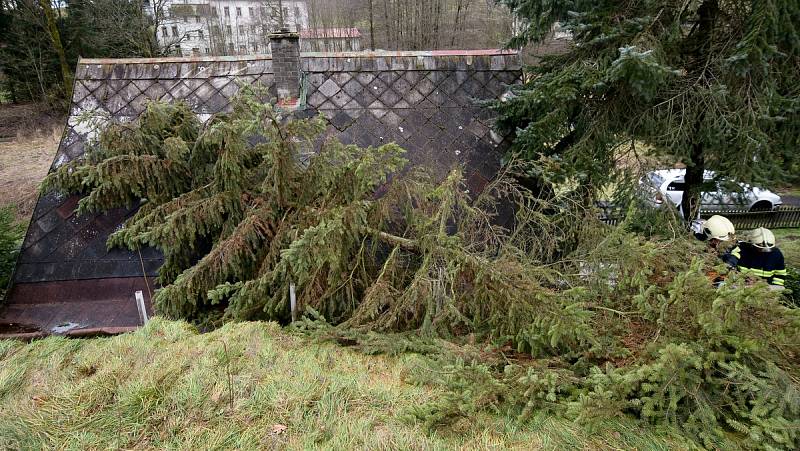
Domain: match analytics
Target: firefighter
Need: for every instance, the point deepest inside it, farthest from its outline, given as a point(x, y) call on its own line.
point(758, 256)
point(715, 230)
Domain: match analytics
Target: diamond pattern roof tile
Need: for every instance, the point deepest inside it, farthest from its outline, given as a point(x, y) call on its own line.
point(424, 101)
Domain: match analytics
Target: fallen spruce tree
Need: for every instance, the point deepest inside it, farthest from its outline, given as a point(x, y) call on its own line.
point(574, 317)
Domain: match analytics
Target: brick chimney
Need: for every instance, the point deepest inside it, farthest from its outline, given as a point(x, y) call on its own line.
point(285, 47)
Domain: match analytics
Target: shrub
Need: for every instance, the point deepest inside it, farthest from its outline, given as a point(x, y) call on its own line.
point(10, 240)
point(792, 285)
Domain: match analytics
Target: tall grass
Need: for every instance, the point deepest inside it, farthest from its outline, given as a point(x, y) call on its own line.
point(166, 386)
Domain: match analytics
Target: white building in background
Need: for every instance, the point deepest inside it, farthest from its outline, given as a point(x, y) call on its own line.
point(223, 27)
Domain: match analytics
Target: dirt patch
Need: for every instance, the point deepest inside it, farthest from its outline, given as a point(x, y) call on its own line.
point(32, 119)
point(29, 141)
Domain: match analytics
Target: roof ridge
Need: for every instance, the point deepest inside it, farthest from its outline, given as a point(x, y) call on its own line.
point(362, 54)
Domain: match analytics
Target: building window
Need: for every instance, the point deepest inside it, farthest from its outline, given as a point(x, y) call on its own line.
point(195, 50)
point(185, 19)
point(242, 49)
point(229, 30)
point(214, 12)
point(227, 11)
point(164, 32)
point(196, 19)
point(285, 13)
point(251, 11)
point(241, 29)
point(253, 29)
point(174, 31)
point(200, 34)
point(238, 12)
point(255, 47)
point(208, 50)
point(230, 47)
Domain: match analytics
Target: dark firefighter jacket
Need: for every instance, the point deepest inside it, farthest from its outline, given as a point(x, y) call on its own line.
point(749, 259)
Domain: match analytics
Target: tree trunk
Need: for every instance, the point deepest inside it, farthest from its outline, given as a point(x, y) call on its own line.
point(695, 168)
point(690, 202)
point(55, 37)
point(436, 22)
point(371, 26)
point(386, 23)
point(455, 23)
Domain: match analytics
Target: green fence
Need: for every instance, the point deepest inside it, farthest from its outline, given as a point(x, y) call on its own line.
point(784, 217)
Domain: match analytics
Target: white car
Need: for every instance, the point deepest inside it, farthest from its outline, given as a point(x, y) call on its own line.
point(668, 184)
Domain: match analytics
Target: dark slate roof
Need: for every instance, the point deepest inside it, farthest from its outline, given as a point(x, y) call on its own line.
point(424, 101)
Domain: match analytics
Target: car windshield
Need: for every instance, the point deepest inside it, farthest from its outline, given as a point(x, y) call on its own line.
point(655, 179)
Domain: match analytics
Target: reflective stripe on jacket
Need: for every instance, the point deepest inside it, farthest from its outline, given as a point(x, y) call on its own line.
point(749, 259)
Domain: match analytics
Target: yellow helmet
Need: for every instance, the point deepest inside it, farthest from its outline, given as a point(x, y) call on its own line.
point(719, 227)
point(761, 238)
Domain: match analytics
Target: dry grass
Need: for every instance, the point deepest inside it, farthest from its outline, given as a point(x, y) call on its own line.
point(247, 386)
point(28, 141)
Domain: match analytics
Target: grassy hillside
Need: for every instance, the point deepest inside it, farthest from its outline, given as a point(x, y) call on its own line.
point(247, 386)
point(789, 243)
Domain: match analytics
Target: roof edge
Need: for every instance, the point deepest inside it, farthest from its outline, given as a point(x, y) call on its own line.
point(362, 54)
point(75, 333)
point(174, 59)
point(406, 53)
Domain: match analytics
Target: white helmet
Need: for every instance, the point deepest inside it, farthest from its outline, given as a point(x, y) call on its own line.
point(761, 238)
point(719, 228)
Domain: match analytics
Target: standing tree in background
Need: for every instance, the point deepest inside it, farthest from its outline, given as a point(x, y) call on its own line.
point(417, 24)
point(40, 41)
point(371, 25)
point(114, 28)
point(28, 61)
point(713, 84)
point(55, 37)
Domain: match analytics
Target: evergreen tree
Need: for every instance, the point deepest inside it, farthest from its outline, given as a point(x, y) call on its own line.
point(51, 25)
point(252, 205)
point(238, 211)
point(713, 84)
point(244, 210)
point(10, 241)
point(29, 63)
point(111, 29)
point(37, 69)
